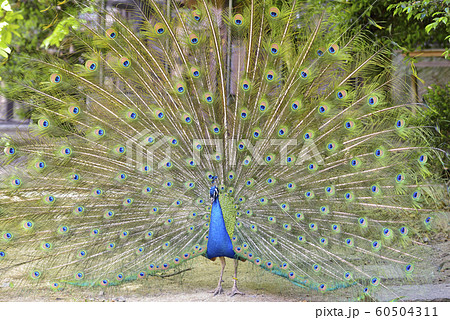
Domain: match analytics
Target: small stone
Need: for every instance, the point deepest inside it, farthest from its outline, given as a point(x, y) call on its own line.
point(119, 299)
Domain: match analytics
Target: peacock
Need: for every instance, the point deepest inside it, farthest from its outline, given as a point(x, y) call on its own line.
point(255, 133)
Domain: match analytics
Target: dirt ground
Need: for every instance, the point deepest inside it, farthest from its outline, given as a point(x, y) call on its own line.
point(258, 285)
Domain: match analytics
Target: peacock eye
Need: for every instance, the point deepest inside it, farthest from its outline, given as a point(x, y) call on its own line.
point(238, 20)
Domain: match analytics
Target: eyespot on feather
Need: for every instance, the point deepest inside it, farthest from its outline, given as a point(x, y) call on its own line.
point(256, 134)
point(333, 49)
point(274, 49)
point(372, 101)
point(262, 106)
point(304, 74)
point(111, 33)
point(132, 115)
point(322, 109)
point(193, 39)
point(270, 75)
point(244, 114)
point(274, 12)
point(197, 15)
point(125, 62)
point(10, 151)
point(195, 73)
point(55, 78)
point(341, 94)
point(349, 125)
point(74, 110)
point(295, 105)
point(91, 65)
point(208, 98)
point(160, 28)
point(43, 124)
point(65, 151)
point(238, 20)
point(215, 129)
point(180, 89)
point(245, 85)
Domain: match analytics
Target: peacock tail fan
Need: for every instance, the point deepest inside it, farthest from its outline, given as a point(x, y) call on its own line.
point(325, 173)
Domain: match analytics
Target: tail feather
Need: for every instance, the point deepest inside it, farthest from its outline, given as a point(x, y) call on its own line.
point(327, 167)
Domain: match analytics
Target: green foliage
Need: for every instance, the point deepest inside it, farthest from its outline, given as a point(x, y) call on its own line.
point(438, 100)
point(435, 12)
point(63, 28)
point(28, 26)
point(394, 30)
point(25, 26)
point(8, 26)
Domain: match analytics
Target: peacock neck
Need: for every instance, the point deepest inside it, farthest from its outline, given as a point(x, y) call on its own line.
point(219, 242)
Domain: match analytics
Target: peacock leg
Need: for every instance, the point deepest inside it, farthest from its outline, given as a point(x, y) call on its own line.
point(235, 289)
point(219, 289)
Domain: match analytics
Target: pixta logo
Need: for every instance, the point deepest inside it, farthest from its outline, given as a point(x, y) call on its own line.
point(149, 151)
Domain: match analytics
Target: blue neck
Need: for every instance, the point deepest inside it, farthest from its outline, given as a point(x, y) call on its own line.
point(219, 242)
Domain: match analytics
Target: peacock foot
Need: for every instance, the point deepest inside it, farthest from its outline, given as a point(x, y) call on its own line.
point(235, 291)
point(217, 291)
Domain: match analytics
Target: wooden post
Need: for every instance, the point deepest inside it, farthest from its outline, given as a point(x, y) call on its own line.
point(9, 110)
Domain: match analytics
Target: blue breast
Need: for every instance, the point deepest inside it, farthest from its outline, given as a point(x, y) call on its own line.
point(219, 242)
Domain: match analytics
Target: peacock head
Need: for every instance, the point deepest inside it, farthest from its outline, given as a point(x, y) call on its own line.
point(214, 191)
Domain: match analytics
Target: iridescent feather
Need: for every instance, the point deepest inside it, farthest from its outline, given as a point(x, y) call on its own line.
point(325, 175)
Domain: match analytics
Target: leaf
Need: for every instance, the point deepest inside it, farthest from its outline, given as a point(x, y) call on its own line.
point(414, 72)
point(5, 6)
point(3, 46)
point(391, 6)
point(7, 38)
point(3, 53)
point(62, 29)
point(429, 27)
point(48, 8)
point(399, 46)
point(372, 22)
point(436, 13)
point(51, 23)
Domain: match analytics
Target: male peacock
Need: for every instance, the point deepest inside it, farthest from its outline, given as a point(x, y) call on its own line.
point(317, 168)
